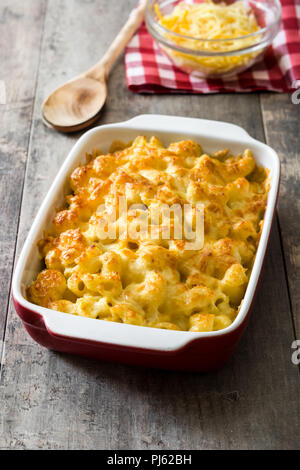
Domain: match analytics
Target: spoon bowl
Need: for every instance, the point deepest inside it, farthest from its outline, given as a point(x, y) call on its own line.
point(75, 103)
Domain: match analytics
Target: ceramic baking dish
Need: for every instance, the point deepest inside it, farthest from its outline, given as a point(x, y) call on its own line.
point(128, 343)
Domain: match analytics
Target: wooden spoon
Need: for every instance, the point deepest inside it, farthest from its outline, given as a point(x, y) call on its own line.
point(77, 104)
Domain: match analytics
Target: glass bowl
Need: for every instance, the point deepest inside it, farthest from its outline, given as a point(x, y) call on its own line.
point(215, 58)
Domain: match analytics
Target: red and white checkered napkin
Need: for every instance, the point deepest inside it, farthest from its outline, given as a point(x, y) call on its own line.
point(148, 70)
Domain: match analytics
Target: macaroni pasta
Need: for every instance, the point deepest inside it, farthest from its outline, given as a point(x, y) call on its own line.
point(149, 281)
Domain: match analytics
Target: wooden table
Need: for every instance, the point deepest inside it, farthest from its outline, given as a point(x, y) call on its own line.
point(52, 400)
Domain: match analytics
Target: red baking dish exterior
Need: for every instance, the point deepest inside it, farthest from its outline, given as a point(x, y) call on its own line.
point(131, 344)
point(200, 354)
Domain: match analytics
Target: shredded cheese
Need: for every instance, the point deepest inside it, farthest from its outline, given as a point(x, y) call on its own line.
point(209, 21)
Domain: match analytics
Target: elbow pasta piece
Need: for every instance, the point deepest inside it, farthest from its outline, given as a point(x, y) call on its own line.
point(202, 322)
point(50, 285)
point(151, 292)
point(127, 314)
point(62, 306)
point(152, 279)
point(221, 322)
point(234, 283)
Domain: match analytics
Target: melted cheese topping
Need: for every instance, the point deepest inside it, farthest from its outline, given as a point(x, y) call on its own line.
point(155, 283)
point(210, 21)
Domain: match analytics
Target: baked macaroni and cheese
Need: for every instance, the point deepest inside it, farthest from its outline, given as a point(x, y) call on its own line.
point(102, 262)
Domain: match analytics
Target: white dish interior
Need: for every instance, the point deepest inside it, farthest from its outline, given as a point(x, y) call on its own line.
point(212, 135)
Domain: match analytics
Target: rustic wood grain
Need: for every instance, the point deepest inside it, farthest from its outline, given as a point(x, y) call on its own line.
point(58, 401)
point(282, 127)
point(21, 27)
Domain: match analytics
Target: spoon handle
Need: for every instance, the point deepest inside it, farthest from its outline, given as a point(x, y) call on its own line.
point(102, 68)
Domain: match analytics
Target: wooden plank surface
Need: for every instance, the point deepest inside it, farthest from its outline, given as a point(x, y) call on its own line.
point(282, 126)
point(21, 27)
point(53, 400)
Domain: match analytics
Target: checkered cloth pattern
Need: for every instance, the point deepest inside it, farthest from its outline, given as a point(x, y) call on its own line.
point(148, 69)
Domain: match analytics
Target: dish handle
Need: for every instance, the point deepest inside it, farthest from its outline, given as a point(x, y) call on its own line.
point(189, 125)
